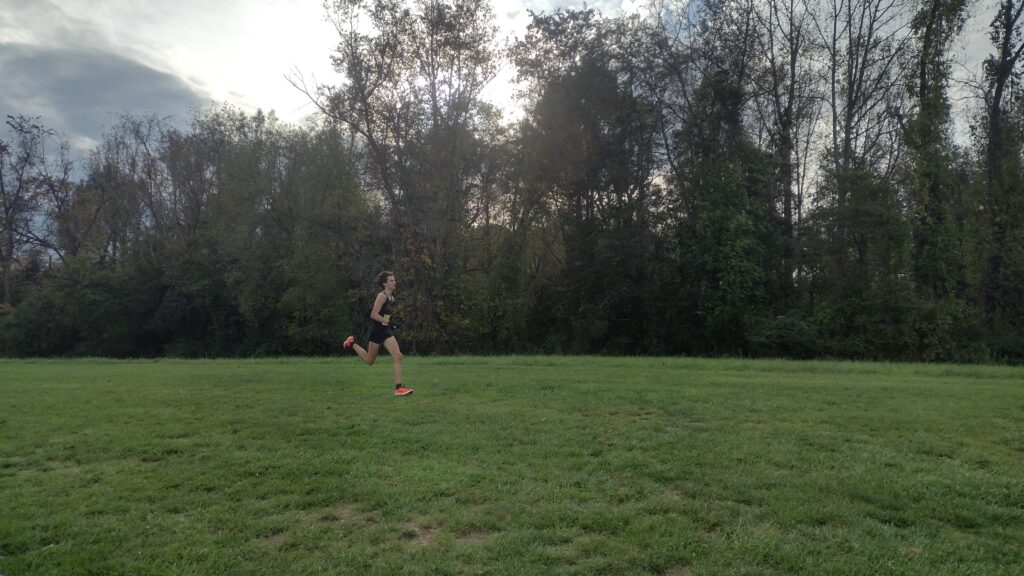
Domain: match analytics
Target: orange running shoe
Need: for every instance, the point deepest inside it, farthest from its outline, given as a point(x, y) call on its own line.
point(348, 341)
point(403, 391)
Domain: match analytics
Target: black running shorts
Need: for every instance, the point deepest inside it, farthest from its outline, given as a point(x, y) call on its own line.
point(379, 333)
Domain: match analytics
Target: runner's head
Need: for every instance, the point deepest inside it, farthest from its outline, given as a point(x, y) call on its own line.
point(384, 278)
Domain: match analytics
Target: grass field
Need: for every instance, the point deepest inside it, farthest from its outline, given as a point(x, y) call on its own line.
point(529, 465)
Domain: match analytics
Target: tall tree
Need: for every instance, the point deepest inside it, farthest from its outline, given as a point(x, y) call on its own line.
point(590, 136)
point(787, 98)
point(128, 174)
point(1002, 142)
point(938, 250)
point(865, 43)
point(721, 220)
point(412, 82)
point(22, 163)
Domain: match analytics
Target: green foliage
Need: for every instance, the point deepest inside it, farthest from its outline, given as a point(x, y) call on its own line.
point(789, 336)
point(946, 331)
point(1000, 140)
point(938, 245)
point(588, 142)
point(88, 310)
point(41, 324)
point(722, 259)
point(665, 192)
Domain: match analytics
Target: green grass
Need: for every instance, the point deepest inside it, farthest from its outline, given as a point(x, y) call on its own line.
point(529, 465)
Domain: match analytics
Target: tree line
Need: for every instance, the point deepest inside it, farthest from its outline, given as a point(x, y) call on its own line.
point(733, 177)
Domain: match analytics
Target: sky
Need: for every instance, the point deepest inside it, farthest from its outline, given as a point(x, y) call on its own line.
point(79, 63)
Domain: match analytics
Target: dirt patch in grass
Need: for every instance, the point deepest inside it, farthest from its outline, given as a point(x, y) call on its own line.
point(276, 539)
point(343, 514)
point(479, 537)
point(418, 533)
point(711, 528)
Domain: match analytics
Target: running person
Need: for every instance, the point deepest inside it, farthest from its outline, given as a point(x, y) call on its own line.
point(381, 331)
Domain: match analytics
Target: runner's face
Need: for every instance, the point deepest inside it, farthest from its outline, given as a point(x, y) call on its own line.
point(390, 284)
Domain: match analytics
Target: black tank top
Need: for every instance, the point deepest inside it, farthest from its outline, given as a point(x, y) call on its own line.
point(385, 309)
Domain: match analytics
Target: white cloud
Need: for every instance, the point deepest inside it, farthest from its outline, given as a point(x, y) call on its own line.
point(70, 70)
point(232, 51)
point(239, 51)
point(235, 51)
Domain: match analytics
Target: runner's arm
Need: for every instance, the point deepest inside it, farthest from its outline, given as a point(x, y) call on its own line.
point(375, 313)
